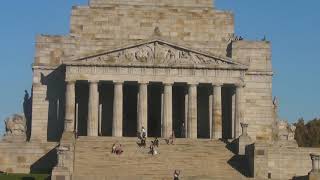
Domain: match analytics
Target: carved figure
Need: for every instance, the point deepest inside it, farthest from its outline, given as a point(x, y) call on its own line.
point(170, 55)
point(233, 37)
point(156, 52)
point(292, 130)
point(286, 131)
point(144, 53)
point(275, 102)
point(184, 55)
point(16, 125)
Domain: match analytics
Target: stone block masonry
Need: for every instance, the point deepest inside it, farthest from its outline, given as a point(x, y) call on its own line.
point(27, 157)
point(166, 3)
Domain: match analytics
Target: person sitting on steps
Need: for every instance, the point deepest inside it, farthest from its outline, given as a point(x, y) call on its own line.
point(119, 150)
point(155, 142)
point(142, 142)
point(142, 136)
point(113, 148)
point(153, 150)
point(172, 138)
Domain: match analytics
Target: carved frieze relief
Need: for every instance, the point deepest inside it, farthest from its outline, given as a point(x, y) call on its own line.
point(155, 53)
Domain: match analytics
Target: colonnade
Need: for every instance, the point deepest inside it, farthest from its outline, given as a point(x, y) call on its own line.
point(215, 107)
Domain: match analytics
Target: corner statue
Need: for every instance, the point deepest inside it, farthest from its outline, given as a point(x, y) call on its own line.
point(15, 127)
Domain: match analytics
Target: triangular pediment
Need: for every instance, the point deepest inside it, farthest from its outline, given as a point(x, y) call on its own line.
point(157, 53)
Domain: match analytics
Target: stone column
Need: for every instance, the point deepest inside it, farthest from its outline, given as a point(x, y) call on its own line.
point(167, 111)
point(100, 120)
point(70, 107)
point(117, 109)
point(93, 111)
point(77, 119)
point(162, 114)
point(233, 113)
point(315, 171)
point(217, 112)
point(186, 99)
point(239, 109)
point(192, 112)
point(143, 107)
point(211, 116)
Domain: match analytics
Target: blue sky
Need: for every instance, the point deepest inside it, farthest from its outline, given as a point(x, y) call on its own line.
point(292, 26)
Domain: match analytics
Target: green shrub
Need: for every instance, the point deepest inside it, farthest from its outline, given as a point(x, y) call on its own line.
point(24, 177)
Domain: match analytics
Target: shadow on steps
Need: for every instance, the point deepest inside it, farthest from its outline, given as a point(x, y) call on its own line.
point(240, 164)
point(300, 178)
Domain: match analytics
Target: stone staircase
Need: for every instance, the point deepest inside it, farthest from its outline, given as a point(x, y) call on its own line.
point(197, 159)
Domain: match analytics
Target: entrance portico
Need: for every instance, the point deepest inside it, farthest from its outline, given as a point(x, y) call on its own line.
point(146, 82)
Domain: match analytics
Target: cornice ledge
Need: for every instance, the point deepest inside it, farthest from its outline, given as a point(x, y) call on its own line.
point(268, 73)
point(180, 66)
point(45, 67)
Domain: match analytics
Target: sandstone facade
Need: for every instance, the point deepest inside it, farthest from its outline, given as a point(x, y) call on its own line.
point(171, 66)
point(104, 26)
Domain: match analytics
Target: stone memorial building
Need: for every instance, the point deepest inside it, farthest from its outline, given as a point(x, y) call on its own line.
point(170, 66)
point(165, 65)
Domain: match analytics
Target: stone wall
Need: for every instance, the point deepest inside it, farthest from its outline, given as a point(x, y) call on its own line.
point(25, 157)
point(177, 3)
point(47, 104)
point(105, 25)
point(102, 28)
point(282, 162)
point(50, 49)
point(258, 90)
point(108, 24)
point(256, 54)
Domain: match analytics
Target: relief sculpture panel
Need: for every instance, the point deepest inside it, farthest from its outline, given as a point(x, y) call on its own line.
point(155, 53)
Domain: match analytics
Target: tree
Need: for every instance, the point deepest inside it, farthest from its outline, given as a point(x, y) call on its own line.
point(308, 135)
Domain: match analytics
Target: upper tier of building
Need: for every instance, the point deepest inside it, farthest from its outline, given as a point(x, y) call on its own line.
point(174, 3)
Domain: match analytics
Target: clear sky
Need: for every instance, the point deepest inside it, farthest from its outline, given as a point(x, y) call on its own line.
point(292, 26)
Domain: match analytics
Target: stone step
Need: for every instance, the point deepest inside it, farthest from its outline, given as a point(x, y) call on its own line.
point(168, 177)
point(193, 157)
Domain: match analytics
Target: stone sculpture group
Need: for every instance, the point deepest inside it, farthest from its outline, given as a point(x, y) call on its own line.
point(16, 128)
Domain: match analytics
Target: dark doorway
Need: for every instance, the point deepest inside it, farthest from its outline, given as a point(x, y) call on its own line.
point(82, 97)
point(130, 97)
point(203, 124)
point(106, 92)
point(178, 109)
point(227, 93)
point(154, 109)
